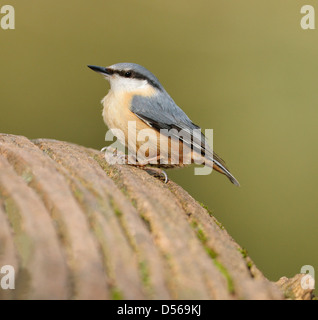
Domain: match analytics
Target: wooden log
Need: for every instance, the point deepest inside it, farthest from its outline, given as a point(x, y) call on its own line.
point(75, 227)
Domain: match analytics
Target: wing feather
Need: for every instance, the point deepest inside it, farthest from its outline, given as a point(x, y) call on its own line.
point(161, 112)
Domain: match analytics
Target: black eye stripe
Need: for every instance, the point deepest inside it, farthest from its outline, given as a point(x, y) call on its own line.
point(135, 75)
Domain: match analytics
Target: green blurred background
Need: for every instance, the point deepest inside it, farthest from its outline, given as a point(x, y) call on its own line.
point(244, 68)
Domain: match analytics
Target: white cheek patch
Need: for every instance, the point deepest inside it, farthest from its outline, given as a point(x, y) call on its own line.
point(127, 84)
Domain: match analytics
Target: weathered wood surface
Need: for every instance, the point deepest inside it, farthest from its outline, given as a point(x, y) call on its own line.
point(75, 227)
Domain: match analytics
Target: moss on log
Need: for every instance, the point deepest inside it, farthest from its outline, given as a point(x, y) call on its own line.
point(74, 227)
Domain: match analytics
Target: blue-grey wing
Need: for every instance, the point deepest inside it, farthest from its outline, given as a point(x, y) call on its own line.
point(161, 112)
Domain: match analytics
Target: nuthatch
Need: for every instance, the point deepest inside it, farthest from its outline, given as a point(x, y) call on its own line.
point(137, 95)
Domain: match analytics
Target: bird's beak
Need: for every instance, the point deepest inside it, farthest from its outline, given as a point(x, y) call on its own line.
point(102, 70)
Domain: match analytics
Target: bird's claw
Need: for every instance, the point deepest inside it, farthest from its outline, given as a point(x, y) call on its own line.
point(165, 176)
point(158, 173)
point(109, 149)
point(112, 156)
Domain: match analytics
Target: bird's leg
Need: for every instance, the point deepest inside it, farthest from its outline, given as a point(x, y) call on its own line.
point(157, 172)
point(115, 156)
point(109, 149)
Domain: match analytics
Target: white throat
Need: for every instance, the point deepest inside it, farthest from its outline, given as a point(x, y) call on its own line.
point(118, 83)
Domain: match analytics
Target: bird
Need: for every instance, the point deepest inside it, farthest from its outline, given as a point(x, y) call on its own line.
point(136, 95)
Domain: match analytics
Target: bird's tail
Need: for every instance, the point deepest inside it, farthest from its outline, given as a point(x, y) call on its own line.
point(219, 165)
point(222, 169)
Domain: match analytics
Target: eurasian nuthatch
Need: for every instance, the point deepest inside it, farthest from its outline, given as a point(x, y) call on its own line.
point(137, 95)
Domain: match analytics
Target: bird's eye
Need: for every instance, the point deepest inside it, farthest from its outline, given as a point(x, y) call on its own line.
point(128, 74)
